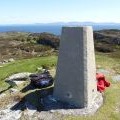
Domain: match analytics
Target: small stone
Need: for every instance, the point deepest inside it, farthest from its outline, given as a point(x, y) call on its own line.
point(52, 111)
point(11, 83)
point(116, 78)
point(39, 69)
point(5, 61)
point(12, 90)
point(106, 72)
point(98, 66)
point(8, 114)
point(2, 113)
point(11, 60)
point(2, 95)
point(19, 78)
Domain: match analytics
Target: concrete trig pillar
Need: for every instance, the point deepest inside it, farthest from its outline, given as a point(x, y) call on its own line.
point(76, 71)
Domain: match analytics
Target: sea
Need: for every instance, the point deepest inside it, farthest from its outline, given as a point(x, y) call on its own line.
point(54, 29)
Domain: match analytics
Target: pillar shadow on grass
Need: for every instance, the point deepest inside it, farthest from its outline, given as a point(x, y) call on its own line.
point(27, 88)
point(41, 100)
point(34, 99)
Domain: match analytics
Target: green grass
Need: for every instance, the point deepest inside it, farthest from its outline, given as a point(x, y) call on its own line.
point(111, 95)
point(108, 62)
point(26, 65)
point(108, 109)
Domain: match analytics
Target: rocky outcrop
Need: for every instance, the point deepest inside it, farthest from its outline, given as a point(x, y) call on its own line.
point(16, 79)
point(108, 36)
point(46, 39)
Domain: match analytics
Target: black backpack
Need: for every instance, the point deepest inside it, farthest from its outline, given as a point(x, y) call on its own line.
point(41, 80)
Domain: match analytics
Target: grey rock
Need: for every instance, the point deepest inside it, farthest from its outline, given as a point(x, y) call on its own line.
point(19, 78)
point(2, 95)
point(12, 90)
point(11, 60)
point(116, 78)
point(106, 72)
point(12, 83)
point(8, 114)
point(5, 61)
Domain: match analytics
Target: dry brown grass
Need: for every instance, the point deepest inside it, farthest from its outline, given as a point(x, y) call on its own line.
point(9, 99)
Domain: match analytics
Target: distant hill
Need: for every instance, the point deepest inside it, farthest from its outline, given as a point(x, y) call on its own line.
point(81, 23)
point(67, 23)
point(111, 36)
point(19, 45)
point(26, 45)
point(55, 28)
point(107, 40)
point(95, 25)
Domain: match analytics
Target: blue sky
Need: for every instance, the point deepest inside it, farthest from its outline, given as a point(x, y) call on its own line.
point(46, 11)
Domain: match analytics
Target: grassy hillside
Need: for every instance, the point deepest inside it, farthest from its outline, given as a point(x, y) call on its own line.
point(111, 107)
point(26, 65)
point(20, 45)
point(107, 58)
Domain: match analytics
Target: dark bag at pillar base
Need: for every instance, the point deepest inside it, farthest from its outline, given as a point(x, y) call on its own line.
point(41, 80)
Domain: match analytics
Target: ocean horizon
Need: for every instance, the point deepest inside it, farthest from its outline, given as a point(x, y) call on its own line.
point(55, 29)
